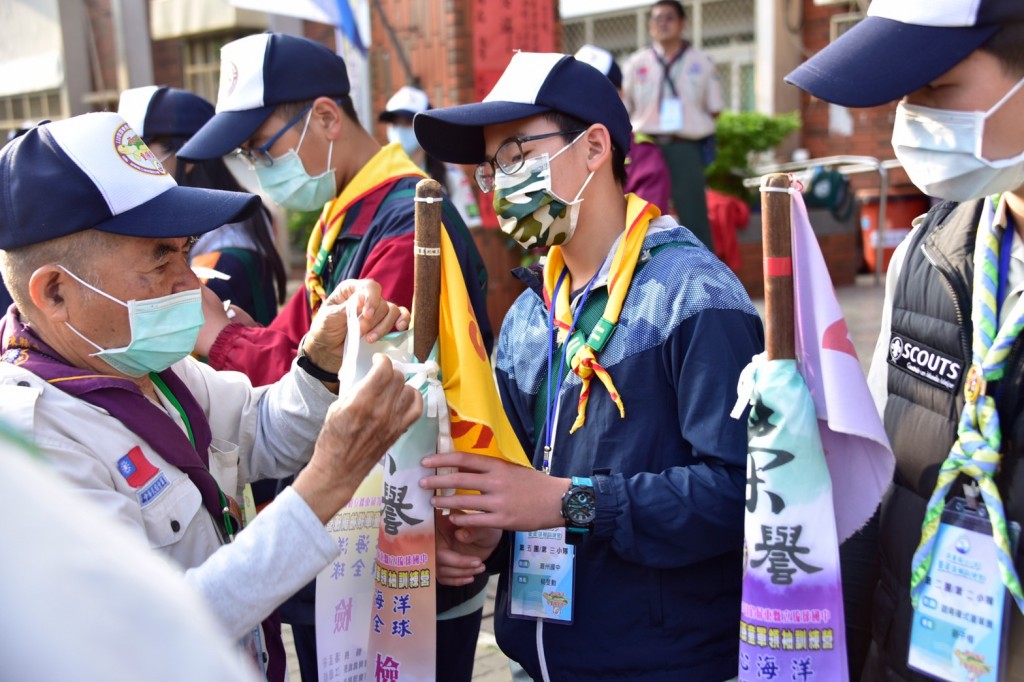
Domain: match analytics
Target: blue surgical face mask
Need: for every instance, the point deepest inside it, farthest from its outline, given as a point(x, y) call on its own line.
point(164, 331)
point(405, 136)
point(288, 183)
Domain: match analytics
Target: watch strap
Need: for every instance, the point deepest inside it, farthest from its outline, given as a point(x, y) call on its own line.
point(314, 370)
point(574, 532)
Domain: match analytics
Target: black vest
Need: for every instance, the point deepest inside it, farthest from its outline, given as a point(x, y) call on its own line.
point(929, 354)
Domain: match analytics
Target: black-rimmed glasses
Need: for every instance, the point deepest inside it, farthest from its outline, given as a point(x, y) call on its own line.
point(260, 156)
point(509, 158)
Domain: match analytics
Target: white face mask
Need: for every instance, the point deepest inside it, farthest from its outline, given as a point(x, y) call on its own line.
point(941, 152)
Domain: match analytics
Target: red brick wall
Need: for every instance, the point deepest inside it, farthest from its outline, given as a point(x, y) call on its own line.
point(98, 12)
point(436, 37)
point(167, 63)
point(872, 127)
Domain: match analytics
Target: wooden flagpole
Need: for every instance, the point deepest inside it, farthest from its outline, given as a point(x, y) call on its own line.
point(776, 226)
point(426, 299)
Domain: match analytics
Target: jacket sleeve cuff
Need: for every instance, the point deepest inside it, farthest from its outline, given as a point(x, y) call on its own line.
point(221, 347)
point(608, 490)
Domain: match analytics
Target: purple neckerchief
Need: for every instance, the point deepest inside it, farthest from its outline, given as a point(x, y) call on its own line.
point(125, 402)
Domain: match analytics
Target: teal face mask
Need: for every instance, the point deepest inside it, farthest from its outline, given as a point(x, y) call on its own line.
point(288, 183)
point(164, 331)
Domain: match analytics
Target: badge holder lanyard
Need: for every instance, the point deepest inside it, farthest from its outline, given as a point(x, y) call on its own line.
point(252, 643)
point(670, 110)
point(543, 564)
point(960, 624)
point(230, 513)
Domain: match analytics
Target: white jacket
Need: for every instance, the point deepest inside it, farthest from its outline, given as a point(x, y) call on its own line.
point(266, 432)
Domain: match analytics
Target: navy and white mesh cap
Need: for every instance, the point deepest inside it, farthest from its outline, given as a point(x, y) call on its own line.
point(155, 111)
point(533, 83)
point(602, 60)
point(94, 172)
point(901, 46)
point(405, 103)
point(257, 73)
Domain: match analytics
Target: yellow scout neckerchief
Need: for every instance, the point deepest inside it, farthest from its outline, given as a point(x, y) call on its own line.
point(387, 166)
point(583, 354)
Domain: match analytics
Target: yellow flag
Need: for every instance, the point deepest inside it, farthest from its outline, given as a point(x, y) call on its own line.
point(478, 421)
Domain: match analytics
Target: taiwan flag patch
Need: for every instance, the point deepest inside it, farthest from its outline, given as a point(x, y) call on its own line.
point(135, 468)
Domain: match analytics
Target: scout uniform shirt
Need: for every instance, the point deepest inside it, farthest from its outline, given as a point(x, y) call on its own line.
point(696, 83)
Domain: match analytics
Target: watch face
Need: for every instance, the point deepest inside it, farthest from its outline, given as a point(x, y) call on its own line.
point(579, 506)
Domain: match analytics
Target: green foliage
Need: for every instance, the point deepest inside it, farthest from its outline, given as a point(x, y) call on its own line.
point(739, 136)
point(300, 224)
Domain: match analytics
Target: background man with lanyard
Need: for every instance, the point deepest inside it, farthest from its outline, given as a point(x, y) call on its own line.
point(672, 93)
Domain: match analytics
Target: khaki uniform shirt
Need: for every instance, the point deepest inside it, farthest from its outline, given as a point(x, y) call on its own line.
point(696, 83)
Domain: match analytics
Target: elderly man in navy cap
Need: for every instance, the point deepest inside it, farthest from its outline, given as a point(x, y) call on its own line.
point(617, 370)
point(94, 239)
point(947, 369)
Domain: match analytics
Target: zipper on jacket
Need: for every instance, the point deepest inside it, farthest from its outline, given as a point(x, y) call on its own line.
point(956, 295)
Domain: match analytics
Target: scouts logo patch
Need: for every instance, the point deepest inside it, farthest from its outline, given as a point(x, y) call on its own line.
point(933, 366)
point(135, 468)
point(134, 152)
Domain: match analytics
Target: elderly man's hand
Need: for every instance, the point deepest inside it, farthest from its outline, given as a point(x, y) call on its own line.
point(323, 344)
point(358, 430)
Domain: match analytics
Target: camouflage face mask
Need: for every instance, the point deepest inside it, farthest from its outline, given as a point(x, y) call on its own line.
point(529, 211)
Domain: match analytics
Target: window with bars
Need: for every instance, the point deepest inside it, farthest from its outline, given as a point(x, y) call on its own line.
point(201, 63)
point(33, 106)
point(724, 29)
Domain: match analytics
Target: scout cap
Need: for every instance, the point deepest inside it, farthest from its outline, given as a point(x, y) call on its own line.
point(257, 73)
point(901, 45)
point(94, 172)
point(533, 83)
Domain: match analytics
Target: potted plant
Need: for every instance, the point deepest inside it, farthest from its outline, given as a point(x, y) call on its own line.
point(740, 135)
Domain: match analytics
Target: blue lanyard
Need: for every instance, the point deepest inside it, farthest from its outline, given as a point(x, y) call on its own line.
point(1004, 264)
point(552, 396)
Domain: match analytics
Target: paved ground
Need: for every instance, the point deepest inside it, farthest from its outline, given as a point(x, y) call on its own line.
point(862, 306)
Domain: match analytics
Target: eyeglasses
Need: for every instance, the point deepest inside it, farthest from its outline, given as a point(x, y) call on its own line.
point(509, 158)
point(668, 18)
point(260, 156)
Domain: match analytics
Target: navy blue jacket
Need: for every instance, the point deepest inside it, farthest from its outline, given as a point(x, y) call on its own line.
point(658, 583)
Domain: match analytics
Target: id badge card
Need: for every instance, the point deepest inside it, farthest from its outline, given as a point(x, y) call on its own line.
point(960, 623)
point(670, 116)
point(543, 570)
point(252, 645)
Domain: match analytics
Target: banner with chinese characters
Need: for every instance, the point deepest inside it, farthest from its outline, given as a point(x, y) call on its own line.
point(791, 622)
point(344, 590)
point(380, 625)
point(404, 615)
point(500, 27)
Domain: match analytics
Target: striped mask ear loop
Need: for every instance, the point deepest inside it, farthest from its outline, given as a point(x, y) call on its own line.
point(976, 452)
